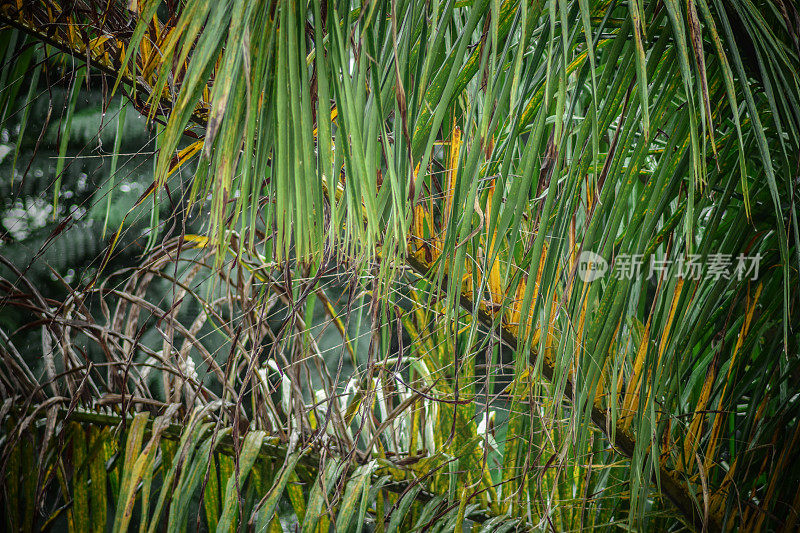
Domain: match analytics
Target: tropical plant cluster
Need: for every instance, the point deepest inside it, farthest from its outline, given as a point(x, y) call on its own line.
point(441, 265)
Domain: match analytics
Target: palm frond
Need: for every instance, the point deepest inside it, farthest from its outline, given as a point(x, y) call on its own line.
point(497, 149)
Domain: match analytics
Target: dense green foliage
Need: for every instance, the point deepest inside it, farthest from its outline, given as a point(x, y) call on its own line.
point(324, 265)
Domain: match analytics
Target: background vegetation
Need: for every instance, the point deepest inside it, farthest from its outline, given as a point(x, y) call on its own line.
point(315, 266)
